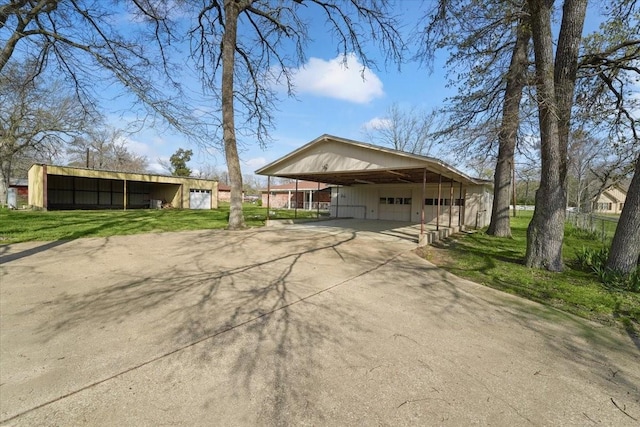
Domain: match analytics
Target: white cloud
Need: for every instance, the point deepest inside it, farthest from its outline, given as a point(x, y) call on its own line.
point(256, 162)
point(341, 78)
point(377, 123)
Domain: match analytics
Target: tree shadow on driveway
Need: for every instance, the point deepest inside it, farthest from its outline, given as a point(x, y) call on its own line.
point(235, 288)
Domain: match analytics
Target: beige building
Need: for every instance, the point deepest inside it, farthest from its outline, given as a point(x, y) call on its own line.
point(371, 182)
point(611, 201)
point(62, 187)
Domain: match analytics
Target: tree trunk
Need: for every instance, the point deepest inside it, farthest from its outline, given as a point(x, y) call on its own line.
point(5, 176)
point(500, 224)
point(625, 247)
point(555, 87)
point(236, 217)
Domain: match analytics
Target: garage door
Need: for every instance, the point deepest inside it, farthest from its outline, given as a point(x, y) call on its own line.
point(395, 207)
point(200, 199)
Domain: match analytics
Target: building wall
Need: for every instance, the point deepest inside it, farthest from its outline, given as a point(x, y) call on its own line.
point(224, 196)
point(365, 202)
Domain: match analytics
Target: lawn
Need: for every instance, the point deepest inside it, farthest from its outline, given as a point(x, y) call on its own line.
point(498, 263)
point(22, 226)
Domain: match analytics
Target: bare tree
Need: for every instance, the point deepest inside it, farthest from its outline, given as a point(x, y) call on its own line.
point(84, 41)
point(409, 131)
point(582, 151)
point(35, 118)
point(248, 43)
point(104, 148)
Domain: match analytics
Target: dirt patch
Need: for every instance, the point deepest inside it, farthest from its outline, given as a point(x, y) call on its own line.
point(440, 253)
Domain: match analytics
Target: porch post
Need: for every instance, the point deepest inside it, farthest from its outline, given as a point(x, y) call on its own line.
point(460, 207)
point(288, 199)
point(424, 191)
point(268, 195)
point(318, 202)
point(337, 199)
point(295, 212)
point(450, 202)
point(438, 204)
point(124, 195)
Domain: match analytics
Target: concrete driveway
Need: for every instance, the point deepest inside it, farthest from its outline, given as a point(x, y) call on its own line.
point(289, 326)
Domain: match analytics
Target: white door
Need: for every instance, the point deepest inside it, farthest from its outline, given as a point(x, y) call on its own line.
point(395, 205)
point(200, 199)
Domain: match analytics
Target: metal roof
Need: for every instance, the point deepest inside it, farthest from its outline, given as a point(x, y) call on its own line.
point(339, 161)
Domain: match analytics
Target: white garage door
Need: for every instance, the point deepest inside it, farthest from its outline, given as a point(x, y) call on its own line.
point(395, 207)
point(200, 199)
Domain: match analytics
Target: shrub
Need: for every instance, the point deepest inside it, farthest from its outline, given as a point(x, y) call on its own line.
point(595, 260)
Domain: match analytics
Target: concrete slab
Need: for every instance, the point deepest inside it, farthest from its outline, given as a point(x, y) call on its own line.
point(289, 326)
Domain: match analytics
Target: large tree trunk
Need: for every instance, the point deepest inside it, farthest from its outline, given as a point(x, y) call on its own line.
point(555, 87)
point(236, 217)
point(500, 225)
point(625, 248)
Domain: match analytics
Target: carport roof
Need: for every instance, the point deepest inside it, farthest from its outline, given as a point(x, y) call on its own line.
point(339, 161)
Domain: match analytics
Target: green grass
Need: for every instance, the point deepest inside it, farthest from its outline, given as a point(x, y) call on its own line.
point(498, 263)
point(22, 226)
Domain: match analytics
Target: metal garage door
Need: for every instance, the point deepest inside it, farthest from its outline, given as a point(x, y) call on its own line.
point(395, 206)
point(200, 199)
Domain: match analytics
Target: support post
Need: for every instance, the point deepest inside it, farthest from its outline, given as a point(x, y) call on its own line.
point(460, 208)
point(295, 212)
point(318, 202)
point(450, 202)
point(424, 193)
point(438, 204)
point(337, 199)
point(268, 196)
point(124, 195)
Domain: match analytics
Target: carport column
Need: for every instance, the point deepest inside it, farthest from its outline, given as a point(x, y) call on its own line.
point(438, 204)
point(318, 202)
point(460, 207)
point(124, 195)
point(424, 191)
point(288, 199)
point(337, 199)
point(450, 202)
point(310, 199)
point(295, 212)
point(268, 196)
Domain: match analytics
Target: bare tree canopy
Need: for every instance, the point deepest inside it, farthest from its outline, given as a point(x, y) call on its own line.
point(410, 131)
point(104, 148)
point(36, 117)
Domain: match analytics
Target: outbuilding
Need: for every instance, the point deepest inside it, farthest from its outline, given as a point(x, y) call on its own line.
point(373, 182)
point(63, 187)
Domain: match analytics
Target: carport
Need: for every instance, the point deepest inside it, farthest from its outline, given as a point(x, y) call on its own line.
point(372, 182)
point(62, 187)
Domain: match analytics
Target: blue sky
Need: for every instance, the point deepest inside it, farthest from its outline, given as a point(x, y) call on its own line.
point(330, 98)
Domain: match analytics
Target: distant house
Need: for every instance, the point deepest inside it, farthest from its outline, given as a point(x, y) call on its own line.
point(611, 201)
point(224, 193)
point(18, 192)
point(303, 195)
